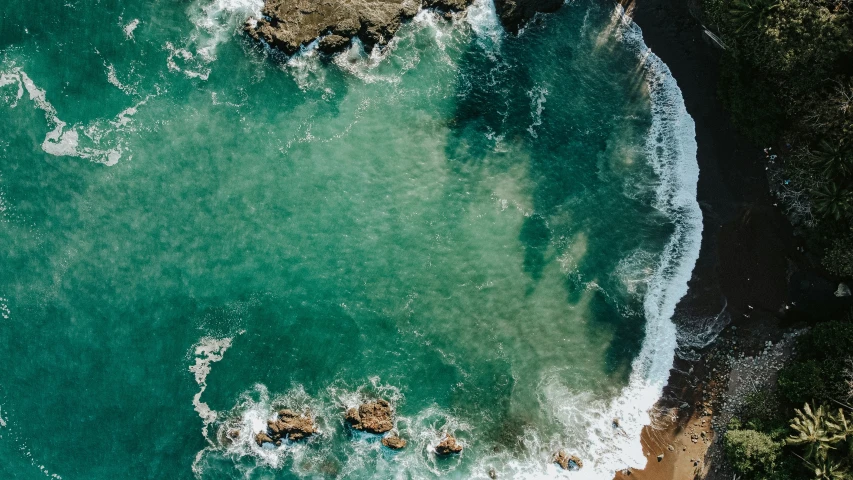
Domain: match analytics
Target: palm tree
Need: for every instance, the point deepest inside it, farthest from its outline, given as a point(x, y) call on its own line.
point(818, 431)
point(745, 13)
point(832, 201)
point(835, 159)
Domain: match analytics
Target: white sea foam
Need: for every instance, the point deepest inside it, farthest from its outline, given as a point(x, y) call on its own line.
point(2, 421)
point(207, 351)
point(96, 141)
point(130, 27)
point(112, 77)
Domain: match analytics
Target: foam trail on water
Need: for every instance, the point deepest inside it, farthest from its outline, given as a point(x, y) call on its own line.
point(207, 351)
point(70, 141)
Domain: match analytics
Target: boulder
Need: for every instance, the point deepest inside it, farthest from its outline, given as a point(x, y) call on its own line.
point(394, 442)
point(568, 462)
point(448, 446)
point(373, 417)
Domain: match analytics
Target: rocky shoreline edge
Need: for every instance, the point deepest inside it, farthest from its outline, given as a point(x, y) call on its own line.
point(289, 25)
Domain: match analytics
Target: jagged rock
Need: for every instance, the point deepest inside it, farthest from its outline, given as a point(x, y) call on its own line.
point(843, 290)
point(660, 457)
point(333, 43)
point(394, 442)
point(262, 438)
point(290, 24)
point(234, 434)
point(448, 446)
point(568, 462)
point(293, 425)
point(447, 5)
point(373, 417)
point(514, 13)
point(493, 474)
point(288, 425)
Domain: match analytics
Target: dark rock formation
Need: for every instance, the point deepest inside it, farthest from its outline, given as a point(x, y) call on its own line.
point(448, 446)
point(290, 425)
point(289, 24)
point(394, 442)
point(514, 13)
point(373, 417)
point(568, 462)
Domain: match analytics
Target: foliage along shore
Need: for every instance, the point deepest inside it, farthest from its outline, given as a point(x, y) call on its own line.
point(786, 78)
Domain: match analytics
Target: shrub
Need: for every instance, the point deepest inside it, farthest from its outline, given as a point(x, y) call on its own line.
point(753, 454)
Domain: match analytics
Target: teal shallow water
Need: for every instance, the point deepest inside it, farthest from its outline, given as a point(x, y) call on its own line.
point(489, 231)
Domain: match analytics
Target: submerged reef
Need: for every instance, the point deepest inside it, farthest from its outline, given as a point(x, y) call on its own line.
point(290, 24)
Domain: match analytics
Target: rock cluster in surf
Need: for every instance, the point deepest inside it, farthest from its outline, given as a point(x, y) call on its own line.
point(290, 24)
point(448, 446)
point(568, 462)
point(288, 425)
point(373, 417)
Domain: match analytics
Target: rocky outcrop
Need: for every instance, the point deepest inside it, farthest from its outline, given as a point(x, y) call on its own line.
point(289, 425)
point(373, 417)
point(448, 446)
point(290, 24)
point(515, 13)
point(568, 462)
point(394, 442)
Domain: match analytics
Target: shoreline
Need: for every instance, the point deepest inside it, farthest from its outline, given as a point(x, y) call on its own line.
point(741, 276)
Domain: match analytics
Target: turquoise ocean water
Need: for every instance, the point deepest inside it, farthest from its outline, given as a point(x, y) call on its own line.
point(489, 231)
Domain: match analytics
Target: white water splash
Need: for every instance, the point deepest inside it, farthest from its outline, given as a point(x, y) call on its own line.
point(207, 351)
point(215, 21)
point(484, 21)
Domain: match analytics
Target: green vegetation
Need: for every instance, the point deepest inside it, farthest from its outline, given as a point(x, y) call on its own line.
point(787, 79)
point(774, 439)
point(753, 453)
